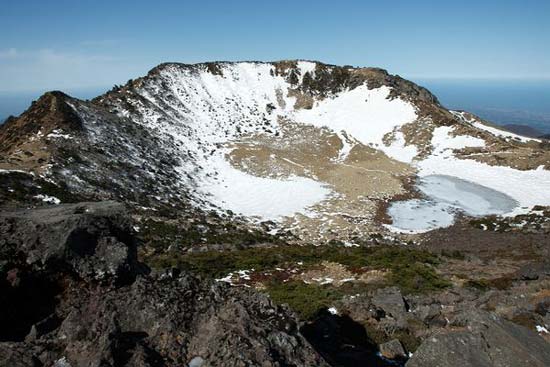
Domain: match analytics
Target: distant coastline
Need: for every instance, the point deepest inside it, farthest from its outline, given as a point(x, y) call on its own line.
point(503, 102)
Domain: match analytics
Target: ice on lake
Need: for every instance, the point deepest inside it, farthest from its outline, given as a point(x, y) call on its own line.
point(444, 198)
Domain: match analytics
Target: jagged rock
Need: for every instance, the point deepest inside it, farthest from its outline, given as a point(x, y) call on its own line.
point(393, 350)
point(179, 320)
point(165, 319)
point(429, 314)
point(390, 301)
point(93, 240)
point(47, 113)
point(483, 339)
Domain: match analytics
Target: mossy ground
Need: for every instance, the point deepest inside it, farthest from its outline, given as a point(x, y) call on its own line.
point(161, 234)
point(412, 270)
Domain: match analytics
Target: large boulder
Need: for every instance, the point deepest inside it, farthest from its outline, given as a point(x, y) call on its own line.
point(391, 301)
point(179, 320)
point(90, 240)
point(483, 339)
point(534, 270)
point(393, 350)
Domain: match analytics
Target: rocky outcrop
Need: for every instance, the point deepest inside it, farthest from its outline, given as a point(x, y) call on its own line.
point(89, 240)
point(533, 271)
point(74, 294)
point(483, 339)
point(48, 113)
point(455, 323)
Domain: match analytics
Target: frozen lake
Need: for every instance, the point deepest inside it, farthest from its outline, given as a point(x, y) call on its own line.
point(444, 198)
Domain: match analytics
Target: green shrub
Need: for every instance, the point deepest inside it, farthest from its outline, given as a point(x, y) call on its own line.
point(416, 278)
point(305, 299)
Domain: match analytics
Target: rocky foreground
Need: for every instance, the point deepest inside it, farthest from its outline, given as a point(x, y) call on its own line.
point(74, 293)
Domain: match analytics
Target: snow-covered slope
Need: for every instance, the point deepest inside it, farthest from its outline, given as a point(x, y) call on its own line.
point(365, 114)
point(200, 111)
point(178, 136)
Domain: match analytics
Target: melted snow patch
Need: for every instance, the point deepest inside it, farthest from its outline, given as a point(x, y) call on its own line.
point(445, 197)
point(418, 216)
point(452, 185)
point(48, 199)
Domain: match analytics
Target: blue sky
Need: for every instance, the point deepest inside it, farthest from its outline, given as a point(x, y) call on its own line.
point(92, 44)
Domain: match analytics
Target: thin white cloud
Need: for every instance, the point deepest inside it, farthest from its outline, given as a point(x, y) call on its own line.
point(41, 69)
point(10, 53)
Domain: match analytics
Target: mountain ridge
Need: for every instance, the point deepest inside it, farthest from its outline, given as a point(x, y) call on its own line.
point(179, 134)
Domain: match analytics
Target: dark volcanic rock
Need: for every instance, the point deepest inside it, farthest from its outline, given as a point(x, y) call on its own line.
point(93, 240)
point(175, 320)
point(63, 304)
point(343, 341)
point(393, 350)
point(532, 271)
point(483, 339)
point(390, 301)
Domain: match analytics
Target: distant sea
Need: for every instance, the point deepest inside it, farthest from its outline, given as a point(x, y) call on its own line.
point(502, 102)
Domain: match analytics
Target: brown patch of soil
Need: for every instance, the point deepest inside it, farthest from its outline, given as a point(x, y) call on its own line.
point(359, 180)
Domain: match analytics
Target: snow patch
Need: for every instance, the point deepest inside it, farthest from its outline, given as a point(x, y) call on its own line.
point(265, 198)
point(365, 114)
point(507, 180)
point(306, 67)
point(398, 149)
point(48, 199)
point(58, 134)
point(491, 129)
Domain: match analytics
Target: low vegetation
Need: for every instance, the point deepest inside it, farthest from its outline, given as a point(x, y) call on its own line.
point(305, 299)
point(160, 235)
point(412, 270)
